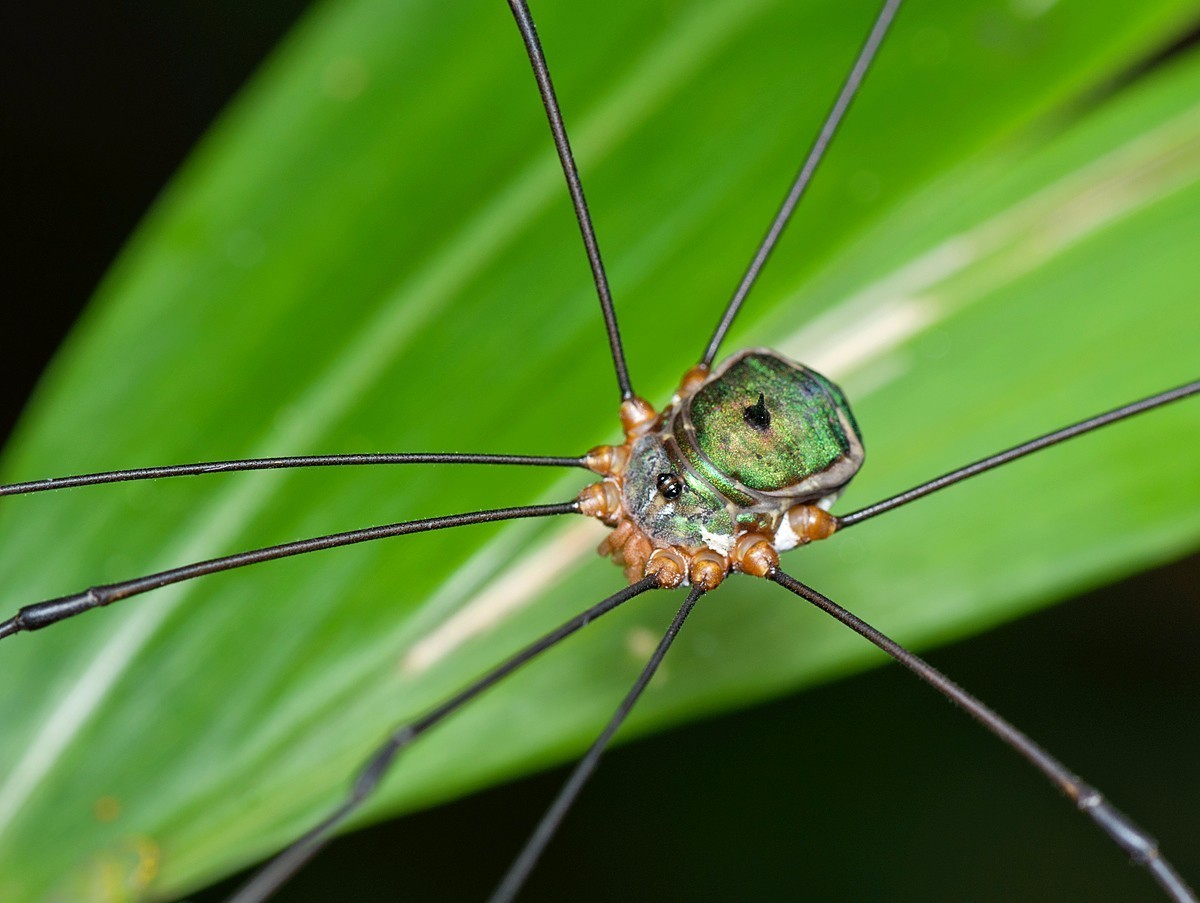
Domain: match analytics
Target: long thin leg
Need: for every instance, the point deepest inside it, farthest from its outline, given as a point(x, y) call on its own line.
point(1133, 840)
point(291, 860)
point(43, 614)
point(541, 72)
point(532, 851)
point(281, 463)
point(832, 121)
point(1020, 451)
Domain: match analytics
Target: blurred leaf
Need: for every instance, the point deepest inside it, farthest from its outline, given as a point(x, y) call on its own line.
point(1002, 241)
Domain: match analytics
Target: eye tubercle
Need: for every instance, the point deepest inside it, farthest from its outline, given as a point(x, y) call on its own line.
point(756, 415)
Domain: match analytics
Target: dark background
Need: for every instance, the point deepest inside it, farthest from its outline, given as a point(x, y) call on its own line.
point(906, 801)
point(87, 147)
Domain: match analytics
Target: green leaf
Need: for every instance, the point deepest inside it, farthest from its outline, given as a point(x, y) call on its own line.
point(373, 251)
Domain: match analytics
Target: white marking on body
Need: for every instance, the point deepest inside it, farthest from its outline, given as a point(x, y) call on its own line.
point(718, 542)
point(785, 537)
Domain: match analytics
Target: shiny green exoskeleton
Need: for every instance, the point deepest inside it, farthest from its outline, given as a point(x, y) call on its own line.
point(759, 435)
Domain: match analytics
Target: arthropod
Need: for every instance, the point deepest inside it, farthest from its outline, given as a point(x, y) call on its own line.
point(435, 402)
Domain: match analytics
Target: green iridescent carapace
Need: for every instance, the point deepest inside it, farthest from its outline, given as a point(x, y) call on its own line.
point(761, 434)
point(772, 426)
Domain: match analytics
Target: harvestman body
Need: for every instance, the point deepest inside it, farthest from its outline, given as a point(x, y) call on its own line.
point(743, 463)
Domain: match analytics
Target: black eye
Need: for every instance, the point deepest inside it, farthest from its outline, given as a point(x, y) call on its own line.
point(757, 415)
point(669, 485)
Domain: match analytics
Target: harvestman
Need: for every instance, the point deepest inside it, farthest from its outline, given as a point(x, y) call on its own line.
point(744, 462)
